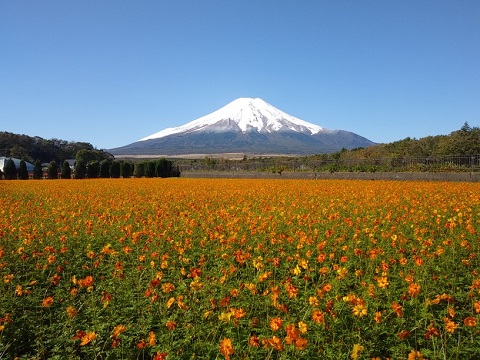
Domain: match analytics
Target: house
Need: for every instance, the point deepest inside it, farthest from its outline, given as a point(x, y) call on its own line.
point(3, 162)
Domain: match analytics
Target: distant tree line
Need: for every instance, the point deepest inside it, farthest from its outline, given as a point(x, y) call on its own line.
point(458, 151)
point(35, 148)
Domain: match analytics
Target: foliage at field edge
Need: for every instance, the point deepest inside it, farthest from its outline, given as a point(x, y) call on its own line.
point(239, 269)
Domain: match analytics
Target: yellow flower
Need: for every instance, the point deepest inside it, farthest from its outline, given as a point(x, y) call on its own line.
point(170, 302)
point(357, 349)
point(382, 282)
point(359, 310)
point(71, 312)
point(303, 327)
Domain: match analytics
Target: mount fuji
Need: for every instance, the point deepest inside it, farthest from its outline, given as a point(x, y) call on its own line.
point(246, 125)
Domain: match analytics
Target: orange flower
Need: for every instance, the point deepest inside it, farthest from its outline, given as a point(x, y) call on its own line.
point(450, 326)
point(239, 313)
point(171, 325)
point(160, 356)
point(470, 321)
point(318, 316)
point(168, 287)
point(301, 343)
point(226, 348)
point(431, 331)
point(404, 334)
point(86, 282)
point(47, 302)
point(152, 341)
point(413, 289)
point(142, 344)
point(397, 308)
point(327, 287)
point(273, 342)
point(118, 330)
point(88, 337)
point(476, 304)
point(415, 355)
point(254, 340)
point(276, 324)
point(451, 312)
point(378, 317)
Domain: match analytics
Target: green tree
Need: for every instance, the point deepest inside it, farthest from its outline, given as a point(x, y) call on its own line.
point(115, 169)
point(92, 155)
point(10, 170)
point(105, 169)
point(52, 170)
point(22, 171)
point(162, 168)
point(37, 170)
point(66, 171)
point(139, 169)
point(93, 169)
point(126, 169)
point(80, 169)
point(149, 169)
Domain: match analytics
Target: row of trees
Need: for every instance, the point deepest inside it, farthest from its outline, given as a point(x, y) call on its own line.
point(92, 169)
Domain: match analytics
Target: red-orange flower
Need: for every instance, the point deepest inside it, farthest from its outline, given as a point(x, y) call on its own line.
point(318, 316)
point(86, 282)
point(47, 302)
point(470, 321)
point(171, 325)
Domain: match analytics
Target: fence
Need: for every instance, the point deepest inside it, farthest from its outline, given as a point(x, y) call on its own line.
point(462, 163)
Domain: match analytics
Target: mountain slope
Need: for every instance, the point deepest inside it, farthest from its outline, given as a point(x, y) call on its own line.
point(245, 125)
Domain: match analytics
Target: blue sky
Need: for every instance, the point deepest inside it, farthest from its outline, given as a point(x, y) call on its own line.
point(113, 71)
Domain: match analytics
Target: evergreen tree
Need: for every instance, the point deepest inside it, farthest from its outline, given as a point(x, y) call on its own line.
point(22, 171)
point(139, 169)
point(10, 170)
point(115, 169)
point(149, 169)
point(93, 169)
point(37, 170)
point(126, 169)
point(80, 169)
point(66, 171)
point(105, 169)
point(52, 170)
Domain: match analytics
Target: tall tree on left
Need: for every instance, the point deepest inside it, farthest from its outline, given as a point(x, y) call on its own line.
point(10, 170)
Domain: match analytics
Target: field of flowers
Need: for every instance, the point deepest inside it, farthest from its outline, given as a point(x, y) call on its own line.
point(239, 269)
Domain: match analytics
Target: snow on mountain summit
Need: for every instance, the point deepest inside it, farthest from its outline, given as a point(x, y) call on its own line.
point(243, 115)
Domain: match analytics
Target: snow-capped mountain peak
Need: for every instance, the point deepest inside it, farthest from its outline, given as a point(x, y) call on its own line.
point(243, 115)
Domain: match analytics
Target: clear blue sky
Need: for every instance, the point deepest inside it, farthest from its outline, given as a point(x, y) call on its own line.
point(113, 71)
